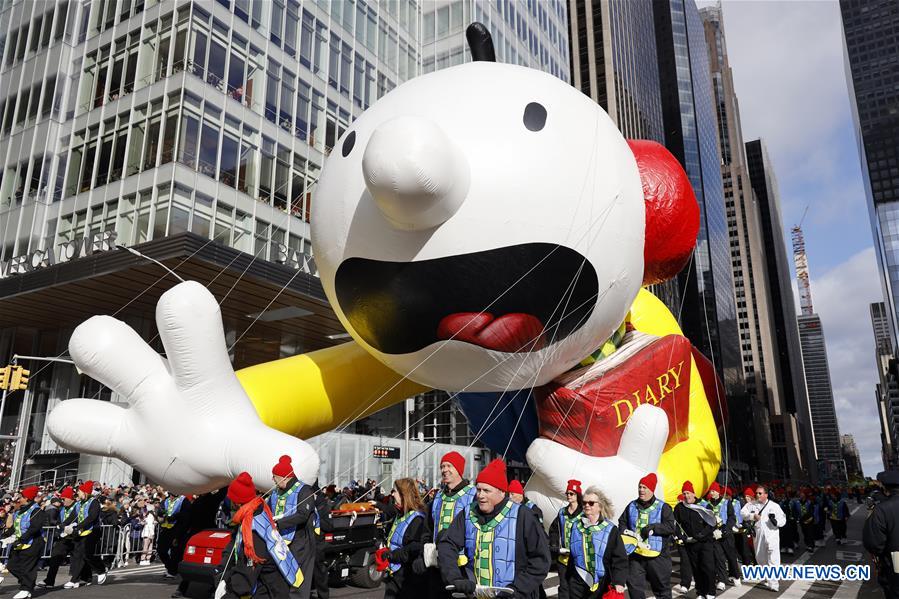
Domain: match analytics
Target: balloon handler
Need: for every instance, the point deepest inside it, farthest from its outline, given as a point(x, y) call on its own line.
point(292, 503)
point(27, 541)
point(649, 523)
point(437, 253)
point(259, 562)
point(495, 547)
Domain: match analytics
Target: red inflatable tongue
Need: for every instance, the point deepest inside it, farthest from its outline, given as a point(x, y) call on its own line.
point(510, 333)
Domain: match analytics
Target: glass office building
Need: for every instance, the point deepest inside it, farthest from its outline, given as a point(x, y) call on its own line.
point(194, 130)
point(709, 316)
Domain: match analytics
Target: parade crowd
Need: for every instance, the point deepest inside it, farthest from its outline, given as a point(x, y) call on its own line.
point(461, 539)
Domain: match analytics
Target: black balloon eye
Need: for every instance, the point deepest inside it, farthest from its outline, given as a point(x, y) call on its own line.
point(348, 144)
point(534, 116)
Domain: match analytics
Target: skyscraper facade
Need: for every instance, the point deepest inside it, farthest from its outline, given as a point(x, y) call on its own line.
point(614, 61)
point(192, 130)
point(791, 433)
point(820, 393)
point(532, 34)
point(708, 314)
point(886, 392)
point(871, 51)
point(749, 445)
point(851, 457)
point(814, 360)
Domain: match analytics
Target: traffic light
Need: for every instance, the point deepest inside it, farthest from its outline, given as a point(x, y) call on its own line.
point(19, 379)
point(4, 377)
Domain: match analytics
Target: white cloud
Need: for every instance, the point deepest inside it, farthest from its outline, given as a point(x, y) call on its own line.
point(841, 297)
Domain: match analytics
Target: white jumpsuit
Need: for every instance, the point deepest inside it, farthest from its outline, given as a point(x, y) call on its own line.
point(767, 534)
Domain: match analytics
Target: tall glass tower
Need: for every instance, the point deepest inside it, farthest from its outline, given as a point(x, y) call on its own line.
point(708, 317)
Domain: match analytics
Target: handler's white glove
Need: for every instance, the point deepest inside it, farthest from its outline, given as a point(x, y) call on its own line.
point(717, 534)
point(430, 555)
point(564, 551)
point(8, 540)
point(220, 590)
point(641, 447)
point(196, 382)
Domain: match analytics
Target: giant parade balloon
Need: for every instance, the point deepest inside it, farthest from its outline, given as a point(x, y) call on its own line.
point(485, 230)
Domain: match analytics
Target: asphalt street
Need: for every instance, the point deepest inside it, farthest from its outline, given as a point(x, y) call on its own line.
point(147, 582)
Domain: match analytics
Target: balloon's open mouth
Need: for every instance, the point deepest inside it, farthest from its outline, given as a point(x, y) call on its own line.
point(513, 299)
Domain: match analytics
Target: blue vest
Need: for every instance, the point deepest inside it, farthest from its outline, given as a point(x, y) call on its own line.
point(277, 548)
point(598, 535)
point(838, 512)
point(67, 511)
point(655, 517)
point(170, 508)
point(21, 522)
point(737, 514)
point(565, 523)
point(720, 510)
point(82, 514)
point(398, 531)
point(502, 552)
point(461, 500)
point(289, 507)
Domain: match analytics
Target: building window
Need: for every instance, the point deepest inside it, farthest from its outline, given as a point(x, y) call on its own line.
point(187, 146)
point(229, 160)
point(208, 150)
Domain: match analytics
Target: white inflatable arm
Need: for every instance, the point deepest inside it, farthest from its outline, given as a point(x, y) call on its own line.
point(188, 425)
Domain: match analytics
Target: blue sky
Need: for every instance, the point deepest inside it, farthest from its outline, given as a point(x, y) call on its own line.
point(790, 78)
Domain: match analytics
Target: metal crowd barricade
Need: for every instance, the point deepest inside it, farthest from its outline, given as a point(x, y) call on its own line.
point(114, 543)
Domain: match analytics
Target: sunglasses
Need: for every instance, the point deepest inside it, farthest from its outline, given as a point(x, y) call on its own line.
point(759, 492)
point(570, 493)
point(591, 503)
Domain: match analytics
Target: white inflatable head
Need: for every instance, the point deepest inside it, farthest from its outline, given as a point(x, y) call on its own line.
point(481, 228)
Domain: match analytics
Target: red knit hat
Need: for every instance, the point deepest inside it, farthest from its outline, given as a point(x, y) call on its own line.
point(67, 493)
point(650, 480)
point(283, 467)
point(715, 487)
point(515, 487)
point(494, 474)
point(29, 493)
point(688, 486)
point(749, 491)
point(455, 459)
point(574, 485)
point(242, 490)
point(87, 488)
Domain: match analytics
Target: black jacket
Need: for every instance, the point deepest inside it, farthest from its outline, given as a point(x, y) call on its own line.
point(242, 577)
point(405, 582)
point(692, 524)
point(90, 519)
point(180, 519)
point(35, 527)
point(531, 550)
point(664, 529)
point(303, 543)
point(880, 536)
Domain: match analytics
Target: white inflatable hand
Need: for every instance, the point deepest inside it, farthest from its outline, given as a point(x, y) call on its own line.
point(189, 425)
point(617, 476)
